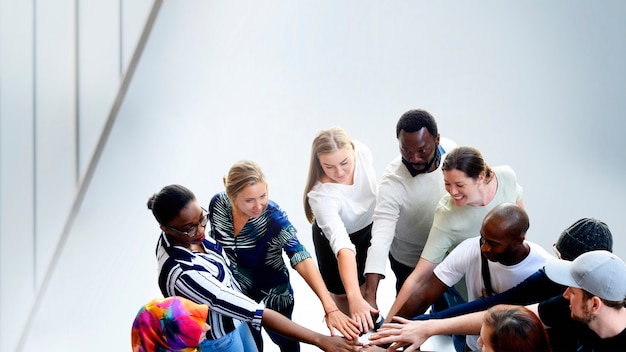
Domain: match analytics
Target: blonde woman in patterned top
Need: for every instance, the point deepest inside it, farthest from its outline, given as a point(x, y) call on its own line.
point(254, 231)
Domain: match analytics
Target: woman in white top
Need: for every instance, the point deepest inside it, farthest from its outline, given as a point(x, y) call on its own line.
point(339, 200)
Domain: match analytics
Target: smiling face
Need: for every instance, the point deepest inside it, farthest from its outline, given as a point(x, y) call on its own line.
point(463, 189)
point(190, 217)
point(252, 200)
point(338, 166)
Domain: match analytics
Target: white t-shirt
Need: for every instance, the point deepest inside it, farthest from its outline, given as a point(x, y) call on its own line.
point(341, 209)
point(465, 261)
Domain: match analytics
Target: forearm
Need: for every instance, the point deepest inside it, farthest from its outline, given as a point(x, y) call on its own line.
point(405, 293)
point(411, 286)
point(465, 308)
point(415, 305)
point(371, 286)
point(377, 253)
point(346, 260)
point(402, 332)
point(425, 295)
point(468, 324)
point(286, 327)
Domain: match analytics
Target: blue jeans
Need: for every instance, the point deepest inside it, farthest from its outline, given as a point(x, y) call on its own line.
point(237, 341)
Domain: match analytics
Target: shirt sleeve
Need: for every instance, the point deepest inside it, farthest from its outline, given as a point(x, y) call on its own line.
point(555, 312)
point(452, 269)
point(203, 287)
point(288, 235)
point(440, 237)
point(384, 227)
point(326, 208)
point(507, 174)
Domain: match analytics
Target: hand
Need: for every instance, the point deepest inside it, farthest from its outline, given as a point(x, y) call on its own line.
point(362, 312)
point(338, 343)
point(343, 323)
point(402, 333)
point(370, 296)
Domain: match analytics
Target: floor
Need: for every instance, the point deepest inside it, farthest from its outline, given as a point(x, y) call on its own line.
point(309, 313)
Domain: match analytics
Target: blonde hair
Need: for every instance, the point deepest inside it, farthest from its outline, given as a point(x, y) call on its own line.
point(242, 174)
point(326, 141)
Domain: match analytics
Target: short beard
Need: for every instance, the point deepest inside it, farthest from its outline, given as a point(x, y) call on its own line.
point(586, 318)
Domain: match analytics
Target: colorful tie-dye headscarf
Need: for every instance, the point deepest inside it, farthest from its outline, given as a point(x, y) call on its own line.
point(170, 324)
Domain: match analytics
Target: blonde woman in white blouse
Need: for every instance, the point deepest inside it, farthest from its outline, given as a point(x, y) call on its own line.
point(339, 200)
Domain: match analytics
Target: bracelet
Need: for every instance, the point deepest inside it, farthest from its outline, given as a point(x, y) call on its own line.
point(332, 311)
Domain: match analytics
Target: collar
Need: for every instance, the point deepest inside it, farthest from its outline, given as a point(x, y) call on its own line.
point(183, 252)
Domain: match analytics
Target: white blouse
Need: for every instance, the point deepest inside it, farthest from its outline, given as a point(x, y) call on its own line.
point(341, 209)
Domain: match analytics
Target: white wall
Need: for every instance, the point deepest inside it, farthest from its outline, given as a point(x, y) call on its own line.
point(539, 86)
point(61, 64)
point(17, 176)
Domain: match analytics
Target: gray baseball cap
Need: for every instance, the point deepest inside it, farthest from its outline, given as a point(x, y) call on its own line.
point(600, 273)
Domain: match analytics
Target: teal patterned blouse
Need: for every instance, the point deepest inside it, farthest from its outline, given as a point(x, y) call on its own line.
point(256, 253)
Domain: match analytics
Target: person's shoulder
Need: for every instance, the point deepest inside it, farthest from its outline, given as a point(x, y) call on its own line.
point(506, 175)
point(469, 243)
point(504, 170)
point(361, 149)
point(219, 202)
point(396, 169)
point(358, 143)
point(360, 146)
point(273, 207)
point(468, 249)
point(552, 303)
point(538, 250)
point(322, 189)
point(210, 242)
point(446, 204)
point(447, 144)
point(395, 163)
point(219, 197)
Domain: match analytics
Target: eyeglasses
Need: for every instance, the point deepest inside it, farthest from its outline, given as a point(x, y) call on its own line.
point(194, 229)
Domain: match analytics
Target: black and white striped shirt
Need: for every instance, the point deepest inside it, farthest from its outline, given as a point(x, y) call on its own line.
point(206, 278)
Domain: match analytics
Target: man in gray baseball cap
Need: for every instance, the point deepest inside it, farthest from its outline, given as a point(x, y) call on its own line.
point(593, 308)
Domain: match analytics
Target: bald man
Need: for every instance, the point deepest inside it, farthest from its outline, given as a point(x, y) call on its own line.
point(501, 253)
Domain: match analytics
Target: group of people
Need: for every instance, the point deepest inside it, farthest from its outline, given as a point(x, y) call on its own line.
point(452, 227)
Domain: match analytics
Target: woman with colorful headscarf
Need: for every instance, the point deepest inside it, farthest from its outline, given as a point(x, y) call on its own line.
point(170, 324)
